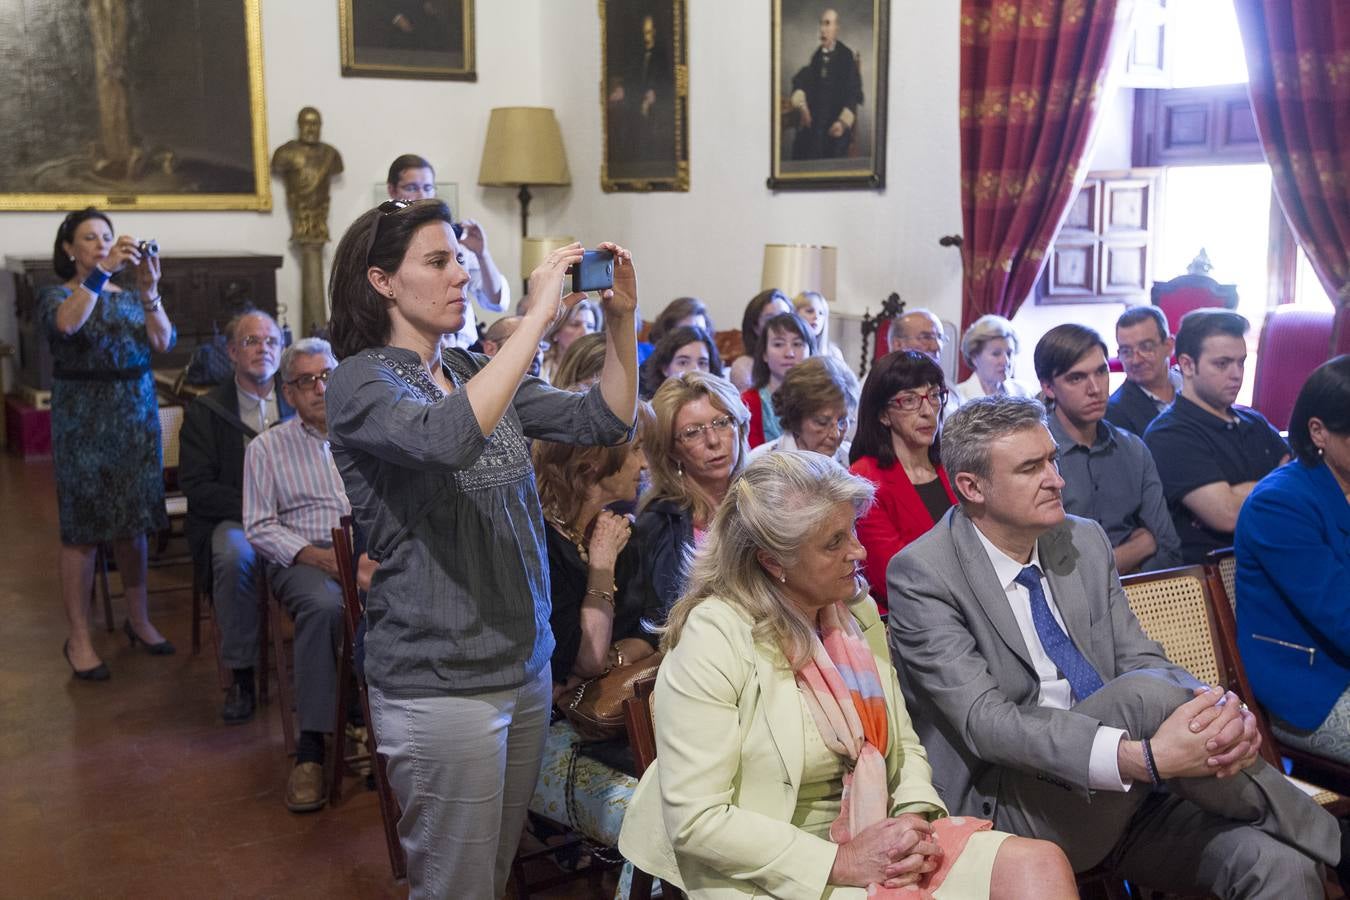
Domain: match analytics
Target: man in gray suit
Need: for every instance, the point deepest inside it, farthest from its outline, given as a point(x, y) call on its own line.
point(1044, 707)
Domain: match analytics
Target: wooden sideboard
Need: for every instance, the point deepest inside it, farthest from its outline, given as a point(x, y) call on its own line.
point(201, 293)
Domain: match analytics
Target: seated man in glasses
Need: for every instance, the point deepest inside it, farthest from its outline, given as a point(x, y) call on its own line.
point(293, 499)
point(216, 428)
point(1151, 383)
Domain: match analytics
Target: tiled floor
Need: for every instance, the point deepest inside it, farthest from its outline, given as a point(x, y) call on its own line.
point(133, 787)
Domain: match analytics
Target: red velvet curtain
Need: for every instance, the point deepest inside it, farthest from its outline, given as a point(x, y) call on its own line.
point(1298, 69)
point(1032, 77)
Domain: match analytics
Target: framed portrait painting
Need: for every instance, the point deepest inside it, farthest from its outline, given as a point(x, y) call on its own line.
point(407, 39)
point(161, 109)
point(829, 94)
point(644, 96)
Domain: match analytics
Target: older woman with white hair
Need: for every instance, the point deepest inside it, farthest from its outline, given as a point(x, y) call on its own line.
point(988, 347)
point(786, 762)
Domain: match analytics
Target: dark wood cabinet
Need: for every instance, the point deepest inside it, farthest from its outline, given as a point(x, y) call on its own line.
point(201, 293)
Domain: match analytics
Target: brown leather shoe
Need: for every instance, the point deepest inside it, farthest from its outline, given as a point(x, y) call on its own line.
point(305, 788)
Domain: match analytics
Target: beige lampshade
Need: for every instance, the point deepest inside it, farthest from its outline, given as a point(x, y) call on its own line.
point(523, 146)
point(534, 249)
point(793, 268)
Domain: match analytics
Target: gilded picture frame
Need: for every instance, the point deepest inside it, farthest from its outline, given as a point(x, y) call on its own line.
point(644, 96)
point(418, 39)
point(165, 111)
point(828, 89)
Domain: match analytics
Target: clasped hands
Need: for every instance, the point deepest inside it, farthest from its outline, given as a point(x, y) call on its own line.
point(1212, 734)
point(893, 853)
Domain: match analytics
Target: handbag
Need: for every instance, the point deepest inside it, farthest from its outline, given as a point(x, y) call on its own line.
point(596, 707)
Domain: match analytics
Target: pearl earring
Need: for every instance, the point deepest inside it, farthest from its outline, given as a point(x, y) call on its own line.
point(783, 578)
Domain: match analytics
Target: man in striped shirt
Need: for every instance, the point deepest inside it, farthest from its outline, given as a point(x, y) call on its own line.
point(293, 499)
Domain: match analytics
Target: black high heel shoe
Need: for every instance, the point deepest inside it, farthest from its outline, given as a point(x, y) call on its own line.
point(163, 648)
point(97, 673)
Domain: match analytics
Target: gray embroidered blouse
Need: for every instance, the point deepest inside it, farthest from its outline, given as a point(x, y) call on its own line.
point(460, 602)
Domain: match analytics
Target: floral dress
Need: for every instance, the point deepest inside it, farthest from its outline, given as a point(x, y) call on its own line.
point(105, 421)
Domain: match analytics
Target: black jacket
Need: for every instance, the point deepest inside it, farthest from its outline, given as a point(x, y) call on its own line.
point(211, 469)
point(665, 537)
point(1131, 409)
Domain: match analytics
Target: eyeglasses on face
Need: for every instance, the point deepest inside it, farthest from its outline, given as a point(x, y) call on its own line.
point(252, 340)
point(694, 432)
point(307, 382)
point(937, 398)
point(1144, 348)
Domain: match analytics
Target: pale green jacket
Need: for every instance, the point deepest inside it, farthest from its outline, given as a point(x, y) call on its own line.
point(713, 815)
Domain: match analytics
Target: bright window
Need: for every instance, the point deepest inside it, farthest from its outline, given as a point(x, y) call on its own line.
point(1225, 210)
point(1206, 43)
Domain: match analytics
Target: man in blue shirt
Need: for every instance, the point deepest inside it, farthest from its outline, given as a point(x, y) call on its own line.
point(1108, 473)
point(1210, 453)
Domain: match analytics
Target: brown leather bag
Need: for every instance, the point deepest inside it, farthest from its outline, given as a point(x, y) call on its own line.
point(596, 707)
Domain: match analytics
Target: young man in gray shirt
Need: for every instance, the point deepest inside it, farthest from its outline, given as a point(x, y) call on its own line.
point(1108, 473)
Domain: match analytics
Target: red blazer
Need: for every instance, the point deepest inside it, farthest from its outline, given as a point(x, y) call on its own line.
point(897, 517)
point(752, 402)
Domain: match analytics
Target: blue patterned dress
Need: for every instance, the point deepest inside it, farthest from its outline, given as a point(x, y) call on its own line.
point(105, 421)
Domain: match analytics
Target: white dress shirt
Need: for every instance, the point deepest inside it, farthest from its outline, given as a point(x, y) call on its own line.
point(258, 413)
point(1103, 765)
point(293, 494)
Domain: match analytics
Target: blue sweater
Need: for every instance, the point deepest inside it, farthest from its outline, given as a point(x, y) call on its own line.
point(1293, 592)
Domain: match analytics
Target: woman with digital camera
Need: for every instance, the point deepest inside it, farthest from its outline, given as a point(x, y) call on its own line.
point(105, 421)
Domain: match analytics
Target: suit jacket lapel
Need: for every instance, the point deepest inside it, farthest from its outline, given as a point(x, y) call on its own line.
point(979, 573)
point(783, 712)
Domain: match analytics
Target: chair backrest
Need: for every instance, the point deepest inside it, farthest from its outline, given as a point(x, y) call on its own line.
point(1173, 608)
point(637, 715)
point(1294, 341)
point(346, 563)
point(1187, 292)
point(1225, 561)
point(170, 423)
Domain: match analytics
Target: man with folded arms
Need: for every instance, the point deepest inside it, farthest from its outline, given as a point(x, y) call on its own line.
point(1044, 707)
point(293, 499)
point(1210, 453)
point(216, 428)
point(1108, 473)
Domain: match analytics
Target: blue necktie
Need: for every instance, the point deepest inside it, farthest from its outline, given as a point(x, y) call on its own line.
point(1083, 678)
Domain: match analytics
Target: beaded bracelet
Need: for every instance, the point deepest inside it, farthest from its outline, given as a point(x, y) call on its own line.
point(1150, 764)
point(95, 280)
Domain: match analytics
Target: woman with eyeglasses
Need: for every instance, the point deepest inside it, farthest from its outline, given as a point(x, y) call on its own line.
point(696, 449)
point(816, 404)
point(105, 421)
point(434, 451)
point(896, 448)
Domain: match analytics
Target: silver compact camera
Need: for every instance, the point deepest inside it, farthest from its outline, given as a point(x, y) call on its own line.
point(149, 247)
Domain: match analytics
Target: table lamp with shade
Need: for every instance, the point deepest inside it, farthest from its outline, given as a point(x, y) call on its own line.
point(523, 147)
point(793, 268)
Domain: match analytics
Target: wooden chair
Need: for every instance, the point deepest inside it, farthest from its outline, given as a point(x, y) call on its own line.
point(1180, 609)
point(353, 609)
point(1309, 766)
point(278, 624)
point(637, 716)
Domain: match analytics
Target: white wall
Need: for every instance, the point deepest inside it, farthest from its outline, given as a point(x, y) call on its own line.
point(709, 242)
point(369, 121)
